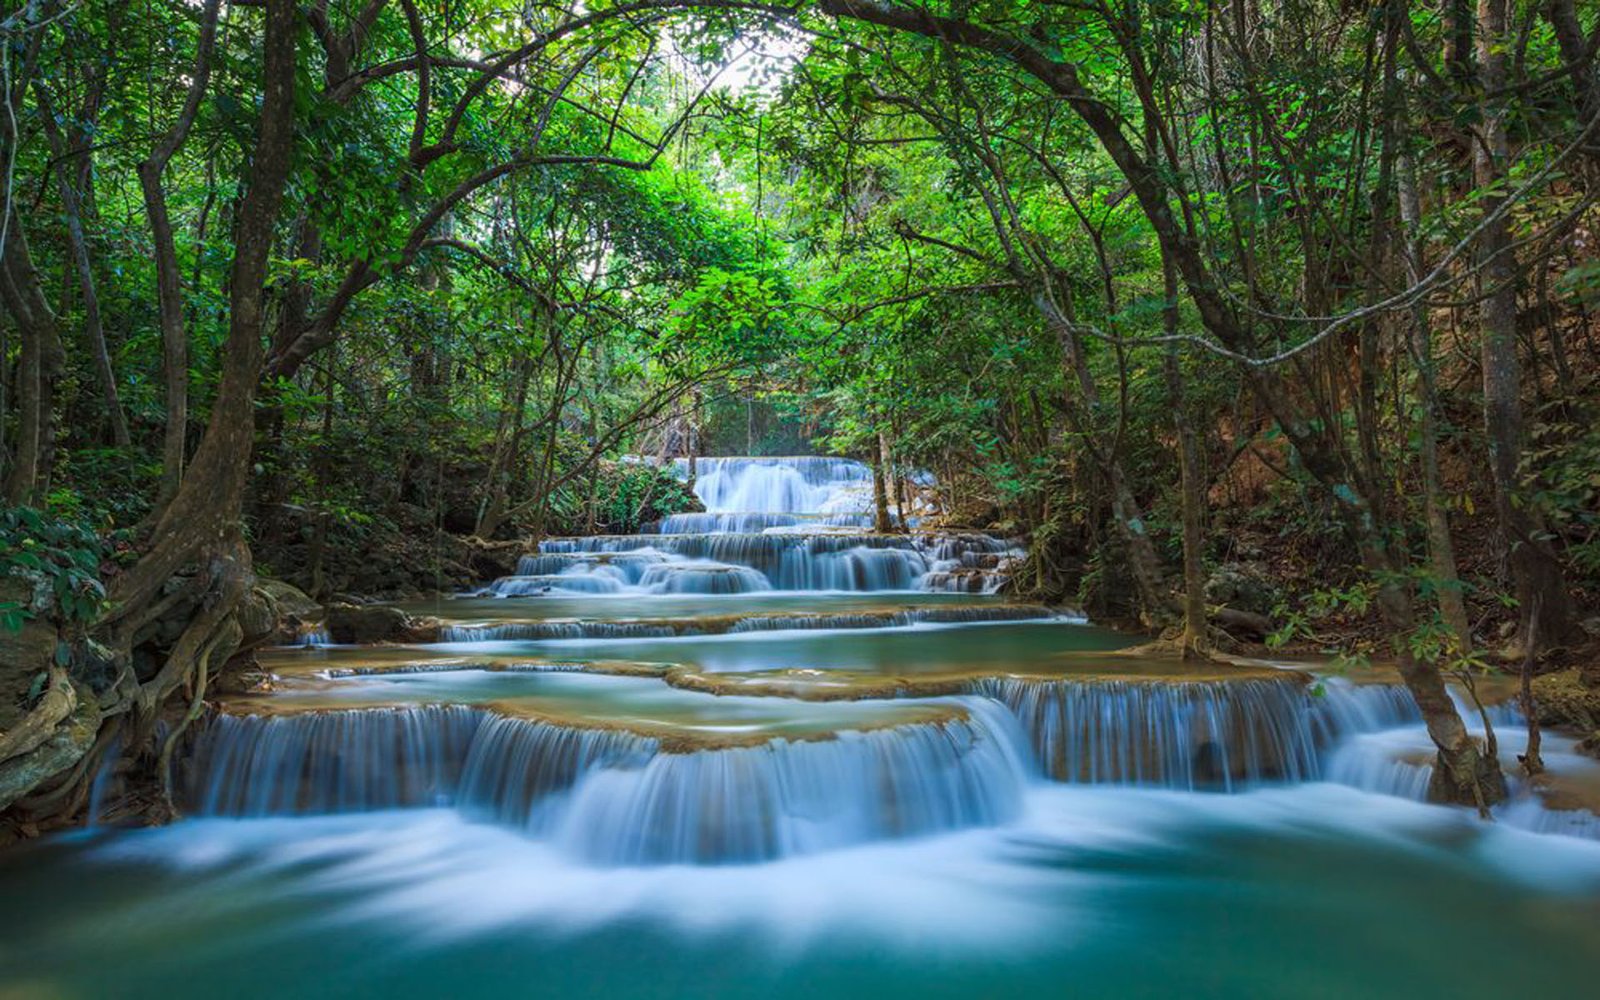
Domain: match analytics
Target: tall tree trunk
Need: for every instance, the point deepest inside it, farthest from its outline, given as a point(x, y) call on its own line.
point(880, 495)
point(1196, 638)
point(1577, 52)
point(1441, 549)
point(204, 514)
point(1536, 574)
point(169, 282)
point(72, 209)
point(501, 465)
point(39, 363)
point(1143, 561)
point(890, 479)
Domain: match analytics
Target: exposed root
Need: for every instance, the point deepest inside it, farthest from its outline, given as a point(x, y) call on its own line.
point(228, 632)
point(58, 701)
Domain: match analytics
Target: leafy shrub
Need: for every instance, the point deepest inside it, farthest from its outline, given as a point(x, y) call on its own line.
point(59, 557)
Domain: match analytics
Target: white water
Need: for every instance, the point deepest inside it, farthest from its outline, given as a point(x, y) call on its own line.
point(508, 822)
point(789, 524)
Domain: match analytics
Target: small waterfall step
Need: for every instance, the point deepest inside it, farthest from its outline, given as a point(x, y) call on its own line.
point(619, 794)
point(729, 624)
point(777, 560)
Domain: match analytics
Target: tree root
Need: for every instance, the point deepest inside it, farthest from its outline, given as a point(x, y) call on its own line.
point(228, 632)
point(57, 703)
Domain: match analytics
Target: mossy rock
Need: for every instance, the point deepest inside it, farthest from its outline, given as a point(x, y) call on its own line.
point(369, 623)
point(1565, 699)
point(289, 599)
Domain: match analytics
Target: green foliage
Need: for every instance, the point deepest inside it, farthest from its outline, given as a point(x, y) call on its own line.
point(58, 558)
point(621, 498)
point(1563, 479)
point(1298, 620)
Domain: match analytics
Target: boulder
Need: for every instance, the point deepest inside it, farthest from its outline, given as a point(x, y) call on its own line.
point(1242, 587)
point(369, 623)
point(289, 599)
point(1565, 699)
point(258, 618)
point(1242, 624)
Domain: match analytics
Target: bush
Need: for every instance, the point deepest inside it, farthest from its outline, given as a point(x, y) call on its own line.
point(60, 558)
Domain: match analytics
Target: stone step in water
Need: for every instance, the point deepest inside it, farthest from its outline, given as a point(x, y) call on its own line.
point(544, 629)
point(635, 796)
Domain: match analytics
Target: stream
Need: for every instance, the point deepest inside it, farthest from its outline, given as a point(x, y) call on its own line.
point(763, 751)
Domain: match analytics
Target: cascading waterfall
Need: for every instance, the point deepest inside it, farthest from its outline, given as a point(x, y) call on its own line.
point(1188, 735)
point(784, 798)
point(790, 524)
point(619, 782)
point(342, 761)
point(615, 796)
point(515, 765)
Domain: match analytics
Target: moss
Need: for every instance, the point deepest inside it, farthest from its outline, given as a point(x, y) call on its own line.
point(1564, 699)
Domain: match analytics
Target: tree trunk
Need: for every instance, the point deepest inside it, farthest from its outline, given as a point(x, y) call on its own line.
point(204, 514)
point(891, 482)
point(1576, 51)
point(1536, 574)
point(169, 290)
point(93, 328)
point(1196, 638)
point(39, 364)
point(1143, 561)
point(502, 464)
point(1441, 549)
point(880, 494)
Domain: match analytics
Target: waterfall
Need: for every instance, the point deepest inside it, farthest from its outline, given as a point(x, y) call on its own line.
point(796, 485)
point(342, 761)
point(515, 765)
point(630, 782)
point(702, 576)
point(784, 798)
point(1203, 734)
point(796, 523)
point(784, 559)
point(614, 796)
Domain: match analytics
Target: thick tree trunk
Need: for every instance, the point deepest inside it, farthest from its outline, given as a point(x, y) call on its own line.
point(1536, 574)
point(204, 514)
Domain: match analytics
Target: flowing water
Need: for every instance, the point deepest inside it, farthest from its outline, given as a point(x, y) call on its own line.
point(762, 751)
